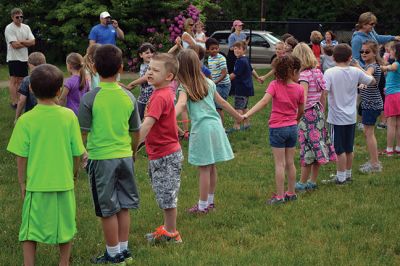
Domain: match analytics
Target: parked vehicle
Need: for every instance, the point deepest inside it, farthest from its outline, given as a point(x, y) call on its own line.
point(262, 44)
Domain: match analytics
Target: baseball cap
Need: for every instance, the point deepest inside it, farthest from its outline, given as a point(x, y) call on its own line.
point(105, 14)
point(237, 23)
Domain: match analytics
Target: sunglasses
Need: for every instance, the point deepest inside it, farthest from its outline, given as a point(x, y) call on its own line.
point(19, 17)
point(191, 25)
point(364, 52)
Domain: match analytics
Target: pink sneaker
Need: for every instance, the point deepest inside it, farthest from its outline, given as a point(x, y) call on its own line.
point(195, 210)
point(211, 207)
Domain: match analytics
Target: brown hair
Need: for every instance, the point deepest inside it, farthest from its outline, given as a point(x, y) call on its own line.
point(285, 66)
point(342, 53)
point(46, 80)
point(240, 44)
point(307, 58)
point(170, 63)
point(375, 49)
point(88, 59)
point(190, 76)
point(365, 18)
point(16, 11)
point(200, 51)
point(333, 36)
point(292, 41)
point(316, 37)
point(328, 50)
point(36, 59)
point(396, 47)
point(75, 60)
point(286, 36)
point(108, 60)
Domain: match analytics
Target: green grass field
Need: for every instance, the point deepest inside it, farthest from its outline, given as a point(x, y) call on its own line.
point(355, 224)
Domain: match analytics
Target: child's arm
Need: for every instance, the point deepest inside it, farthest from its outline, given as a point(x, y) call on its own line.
point(63, 97)
point(259, 106)
point(181, 104)
point(227, 107)
point(138, 81)
point(224, 72)
point(77, 161)
point(146, 126)
point(135, 142)
point(300, 112)
point(20, 106)
point(322, 100)
point(392, 67)
point(270, 73)
point(177, 46)
point(232, 76)
point(255, 74)
point(305, 87)
point(21, 165)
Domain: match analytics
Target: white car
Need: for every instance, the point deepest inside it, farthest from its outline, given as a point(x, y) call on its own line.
point(262, 44)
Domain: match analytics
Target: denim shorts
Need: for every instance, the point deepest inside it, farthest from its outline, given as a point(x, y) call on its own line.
point(283, 137)
point(241, 102)
point(369, 117)
point(223, 91)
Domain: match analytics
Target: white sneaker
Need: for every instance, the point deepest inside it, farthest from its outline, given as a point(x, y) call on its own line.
point(360, 126)
point(369, 168)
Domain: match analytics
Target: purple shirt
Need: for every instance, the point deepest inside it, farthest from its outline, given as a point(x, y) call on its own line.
point(74, 94)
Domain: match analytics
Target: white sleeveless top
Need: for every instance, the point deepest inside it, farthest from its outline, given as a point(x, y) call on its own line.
point(186, 44)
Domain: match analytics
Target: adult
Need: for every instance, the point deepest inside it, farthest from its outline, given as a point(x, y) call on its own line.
point(330, 39)
point(18, 37)
point(106, 32)
point(365, 31)
point(188, 34)
point(236, 35)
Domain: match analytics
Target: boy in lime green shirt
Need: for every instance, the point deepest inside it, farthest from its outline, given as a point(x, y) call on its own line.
point(48, 146)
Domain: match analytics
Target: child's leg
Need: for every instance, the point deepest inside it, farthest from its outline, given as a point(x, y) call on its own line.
point(349, 163)
point(110, 230)
point(372, 146)
point(290, 168)
point(29, 248)
point(170, 219)
point(124, 222)
point(204, 185)
point(391, 132)
point(213, 179)
point(397, 133)
point(305, 173)
point(65, 253)
point(341, 162)
point(280, 165)
point(314, 172)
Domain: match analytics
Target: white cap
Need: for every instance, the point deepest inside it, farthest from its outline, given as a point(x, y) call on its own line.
point(105, 14)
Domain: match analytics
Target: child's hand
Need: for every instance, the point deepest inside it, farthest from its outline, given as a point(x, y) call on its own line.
point(134, 156)
point(244, 116)
point(260, 80)
point(23, 190)
point(362, 86)
point(84, 159)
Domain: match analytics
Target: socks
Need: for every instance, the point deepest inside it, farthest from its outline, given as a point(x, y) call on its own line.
point(389, 149)
point(397, 148)
point(348, 173)
point(341, 176)
point(210, 199)
point(113, 251)
point(203, 205)
point(123, 246)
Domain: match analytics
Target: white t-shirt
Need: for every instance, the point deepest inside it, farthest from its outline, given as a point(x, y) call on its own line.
point(341, 84)
point(14, 33)
point(200, 36)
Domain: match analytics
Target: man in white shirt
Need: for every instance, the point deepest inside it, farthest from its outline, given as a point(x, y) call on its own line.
point(18, 37)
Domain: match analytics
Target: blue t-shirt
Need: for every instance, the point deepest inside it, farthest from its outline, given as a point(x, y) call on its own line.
point(30, 97)
point(243, 77)
point(103, 34)
point(393, 81)
point(205, 71)
point(235, 38)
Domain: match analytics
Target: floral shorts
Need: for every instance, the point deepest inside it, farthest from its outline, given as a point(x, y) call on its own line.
point(315, 142)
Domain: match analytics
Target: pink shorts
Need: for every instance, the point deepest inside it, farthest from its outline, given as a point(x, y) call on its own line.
point(392, 105)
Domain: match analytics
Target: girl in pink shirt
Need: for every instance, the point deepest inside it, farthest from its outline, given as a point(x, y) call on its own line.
point(315, 145)
point(287, 108)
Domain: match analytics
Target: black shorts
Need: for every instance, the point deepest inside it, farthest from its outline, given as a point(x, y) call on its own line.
point(343, 138)
point(18, 68)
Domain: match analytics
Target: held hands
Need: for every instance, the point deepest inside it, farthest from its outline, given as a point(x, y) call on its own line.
point(84, 159)
point(260, 80)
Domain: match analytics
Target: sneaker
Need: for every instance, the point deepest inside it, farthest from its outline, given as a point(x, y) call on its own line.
point(369, 168)
point(119, 259)
point(290, 196)
point(360, 126)
point(381, 126)
point(311, 185)
point(300, 186)
point(387, 153)
point(128, 257)
point(211, 207)
point(162, 236)
point(276, 200)
point(333, 180)
point(195, 210)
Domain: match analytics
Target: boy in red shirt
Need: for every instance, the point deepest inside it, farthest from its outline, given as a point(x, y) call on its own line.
point(160, 132)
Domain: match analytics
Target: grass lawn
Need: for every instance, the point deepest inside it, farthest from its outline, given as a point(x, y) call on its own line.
point(355, 224)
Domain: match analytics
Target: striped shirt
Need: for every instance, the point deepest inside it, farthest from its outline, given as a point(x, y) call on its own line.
point(316, 84)
point(371, 97)
point(216, 64)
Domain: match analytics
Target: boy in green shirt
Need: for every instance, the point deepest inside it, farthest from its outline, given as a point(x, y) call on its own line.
point(109, 120)
point(48, 146)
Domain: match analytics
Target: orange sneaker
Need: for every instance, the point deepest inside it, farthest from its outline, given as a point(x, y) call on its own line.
point(162, 236)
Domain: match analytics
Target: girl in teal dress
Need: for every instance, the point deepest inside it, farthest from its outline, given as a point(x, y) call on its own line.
point(208, 143)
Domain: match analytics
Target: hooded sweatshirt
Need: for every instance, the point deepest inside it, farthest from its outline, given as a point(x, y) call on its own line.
point(360, 37)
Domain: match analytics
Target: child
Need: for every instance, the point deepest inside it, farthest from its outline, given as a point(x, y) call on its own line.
point(341, 84)
point(208, 143)
point(315, 44)
point(315, 145)
point(290, 44)
point(27, 99)
point(327, 58)
point(109, 120)
point(279, 52)
point(48, 133)
point(392, 101)
point(88, 64)
point(371, 104)
point(200, 51)
point(219, 72)
point(200, 36)
point(287, 108)
point(242, 77)
point(160, 133)
point(75, 86)
point(145, 53)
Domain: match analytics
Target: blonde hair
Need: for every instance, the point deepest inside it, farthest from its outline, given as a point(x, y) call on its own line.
point(307, 58)
point(36, 58)
point(190, 75)
point(75, 60)
point(186, 26)
point(365, 18)
point(170, 63)
point(88, 59)
point(375, 49)
point(316, 37)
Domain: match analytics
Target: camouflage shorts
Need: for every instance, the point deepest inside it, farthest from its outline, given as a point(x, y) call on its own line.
point(165, 176)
